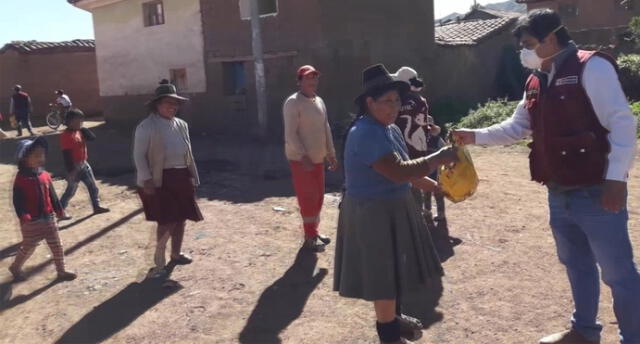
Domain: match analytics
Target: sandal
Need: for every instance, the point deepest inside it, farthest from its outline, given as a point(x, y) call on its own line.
point(410, 328)
point(182, 259)
point(17, 274)
point(157, 272)
point(325, 239)
point(314, 244)
point(66, 276)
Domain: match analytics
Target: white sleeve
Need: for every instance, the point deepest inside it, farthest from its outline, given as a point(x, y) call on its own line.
point(291, 120)
point(508, 132)
point(11, 106)
point(331, 150)
point(140, 149)
point(603, 88)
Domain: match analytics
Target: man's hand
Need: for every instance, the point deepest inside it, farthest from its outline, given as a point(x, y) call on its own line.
point(149, 188)
point(307, 164)
point(464, 136)
point(333, 163)
point(614, 195)
point(434, 130)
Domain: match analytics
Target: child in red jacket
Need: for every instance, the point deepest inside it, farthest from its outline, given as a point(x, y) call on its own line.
point(74, 151)
point(36, 205)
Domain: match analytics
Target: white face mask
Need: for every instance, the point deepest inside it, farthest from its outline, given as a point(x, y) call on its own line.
point(530, 59)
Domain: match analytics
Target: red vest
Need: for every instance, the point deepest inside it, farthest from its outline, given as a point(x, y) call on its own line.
point(570, 146)
point(36, 192)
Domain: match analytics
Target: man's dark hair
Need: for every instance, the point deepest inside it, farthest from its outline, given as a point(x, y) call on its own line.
point(60, 92)
point(540, 23)
point(73, 114)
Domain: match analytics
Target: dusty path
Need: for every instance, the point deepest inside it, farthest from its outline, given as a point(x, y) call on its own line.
point(248, 283)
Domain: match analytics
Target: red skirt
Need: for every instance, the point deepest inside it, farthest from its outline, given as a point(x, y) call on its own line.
point(175, 201)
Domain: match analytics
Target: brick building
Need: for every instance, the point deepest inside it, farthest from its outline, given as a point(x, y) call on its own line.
point(204, 46)
point(43, 67)
point(590, 14)
point(592, 22)
point(479, 56)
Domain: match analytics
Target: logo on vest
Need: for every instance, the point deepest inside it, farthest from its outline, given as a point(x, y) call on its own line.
point(532, 93)
point(569, 80)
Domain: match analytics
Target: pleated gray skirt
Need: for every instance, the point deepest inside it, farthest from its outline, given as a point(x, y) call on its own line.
point(383, 249)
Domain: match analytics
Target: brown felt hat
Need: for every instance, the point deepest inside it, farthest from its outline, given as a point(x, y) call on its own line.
point(377, 77)
point(166, 89)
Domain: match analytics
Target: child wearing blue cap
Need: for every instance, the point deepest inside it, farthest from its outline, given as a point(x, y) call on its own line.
point(36, 205)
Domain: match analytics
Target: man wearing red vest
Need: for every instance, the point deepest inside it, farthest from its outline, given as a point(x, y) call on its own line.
point(584, 142)
point(20, 107)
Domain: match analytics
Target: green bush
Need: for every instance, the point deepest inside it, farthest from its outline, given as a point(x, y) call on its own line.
point(488, 114)
point(446, 112)
point(630, 75)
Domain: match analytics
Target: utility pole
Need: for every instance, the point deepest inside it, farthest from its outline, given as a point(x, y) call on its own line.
point(258, 59)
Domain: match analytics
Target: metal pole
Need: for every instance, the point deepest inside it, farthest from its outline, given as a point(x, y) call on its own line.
point(258, 58)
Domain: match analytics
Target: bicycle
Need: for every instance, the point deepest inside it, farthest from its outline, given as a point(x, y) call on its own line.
point(55, 117)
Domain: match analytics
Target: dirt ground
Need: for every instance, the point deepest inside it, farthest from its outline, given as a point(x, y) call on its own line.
point(250, 284)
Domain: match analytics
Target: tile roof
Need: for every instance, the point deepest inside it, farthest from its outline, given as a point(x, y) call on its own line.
point(495, 13)
point(470, 32)
point(27, 47)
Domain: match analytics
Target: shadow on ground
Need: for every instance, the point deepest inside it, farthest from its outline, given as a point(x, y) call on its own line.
point(6, 290)
point(119, 311)
point(283, 301)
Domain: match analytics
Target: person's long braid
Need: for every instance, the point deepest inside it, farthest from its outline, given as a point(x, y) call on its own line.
point(345, 136)
point(361, 113)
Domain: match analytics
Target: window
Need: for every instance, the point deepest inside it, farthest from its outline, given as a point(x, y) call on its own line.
point(265, 8)
point(179, 78)
point(234, 78)
point(568, 11)
point(153, 13)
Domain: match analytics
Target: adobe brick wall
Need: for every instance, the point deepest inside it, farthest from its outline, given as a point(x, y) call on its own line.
point(467, 74)
point(351, 35)
point(41, 74)
point(593, 13)
point(125, 112)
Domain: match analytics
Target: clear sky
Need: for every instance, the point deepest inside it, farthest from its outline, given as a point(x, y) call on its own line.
point(56, 20)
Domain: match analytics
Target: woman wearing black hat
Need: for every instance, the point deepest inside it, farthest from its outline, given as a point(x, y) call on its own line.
point(383, 246)
point(166, 173)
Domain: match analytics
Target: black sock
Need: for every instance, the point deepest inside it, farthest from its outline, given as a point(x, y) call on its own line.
point(388, 332)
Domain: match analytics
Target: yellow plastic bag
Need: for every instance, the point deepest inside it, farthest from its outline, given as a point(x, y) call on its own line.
point(13, 122)
point(459, 181)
